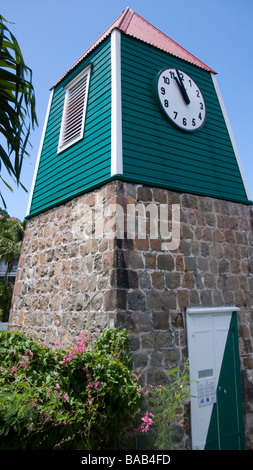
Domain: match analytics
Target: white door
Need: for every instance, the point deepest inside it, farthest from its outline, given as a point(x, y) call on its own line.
point(212, 393)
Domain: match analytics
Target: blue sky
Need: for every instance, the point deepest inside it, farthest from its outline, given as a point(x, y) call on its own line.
point(53, 34)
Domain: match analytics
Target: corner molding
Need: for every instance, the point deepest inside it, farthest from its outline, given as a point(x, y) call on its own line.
point(39, 153)
point(216, 86)
point(116, 109)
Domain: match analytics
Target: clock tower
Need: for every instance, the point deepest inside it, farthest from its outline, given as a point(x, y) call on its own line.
point(140, 217)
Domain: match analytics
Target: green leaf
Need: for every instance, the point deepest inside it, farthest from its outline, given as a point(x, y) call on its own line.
point(17, 103)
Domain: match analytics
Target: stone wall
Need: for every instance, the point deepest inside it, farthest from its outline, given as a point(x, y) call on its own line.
point(71, 277)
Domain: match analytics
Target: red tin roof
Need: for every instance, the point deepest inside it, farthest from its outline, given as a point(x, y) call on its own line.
point(134, 25)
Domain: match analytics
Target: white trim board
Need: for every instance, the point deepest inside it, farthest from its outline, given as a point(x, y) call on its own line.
point(216, 86)
point(116, 116)
point(39, 153)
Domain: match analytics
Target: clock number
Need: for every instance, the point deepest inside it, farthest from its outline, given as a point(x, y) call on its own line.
point(166, 80)
point(181, 99)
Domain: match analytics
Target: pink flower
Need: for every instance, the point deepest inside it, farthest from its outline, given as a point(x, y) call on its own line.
point(28, 351)
point(97, 385)
point(79, 348)
point(147, 422)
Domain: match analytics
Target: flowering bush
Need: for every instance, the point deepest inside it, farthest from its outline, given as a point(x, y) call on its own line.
point(74, 398)
point(82, 398)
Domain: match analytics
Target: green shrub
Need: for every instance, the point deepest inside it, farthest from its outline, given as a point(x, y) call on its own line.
point(74, 398)
point(6, 291)
point(82, 398)
point(168, 406)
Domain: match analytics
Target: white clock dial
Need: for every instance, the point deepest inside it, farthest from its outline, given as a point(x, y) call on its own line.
point(181, 99)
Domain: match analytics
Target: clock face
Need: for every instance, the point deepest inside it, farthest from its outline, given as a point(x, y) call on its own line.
point(181, 99)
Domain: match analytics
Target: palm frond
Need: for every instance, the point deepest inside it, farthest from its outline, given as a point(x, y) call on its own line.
point(17, 103)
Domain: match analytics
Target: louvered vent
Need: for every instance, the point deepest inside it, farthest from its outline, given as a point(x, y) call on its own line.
point(74, 110)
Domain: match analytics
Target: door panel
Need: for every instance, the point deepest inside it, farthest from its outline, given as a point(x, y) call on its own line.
point(216, 403)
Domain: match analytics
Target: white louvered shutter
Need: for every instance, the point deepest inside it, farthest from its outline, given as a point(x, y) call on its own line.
point(74, 110)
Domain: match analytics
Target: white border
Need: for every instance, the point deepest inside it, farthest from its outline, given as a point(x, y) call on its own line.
point(216, 86)
point(79, 77)
point(39, 153)
point(116, 116)
point(209, 310)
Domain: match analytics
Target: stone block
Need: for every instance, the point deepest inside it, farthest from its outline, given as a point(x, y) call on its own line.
point(150, 261)
point(141, 244)
point(188, 280)
point(205, 251)
point(173, 280)
point(148, 340)
point(169, 299)
point(144, 280)
point(183, 298)
point(153, 301)
point(141, 321)
point(136, 300)
point(58, 269)
point(114, 299)
point(157, 376)
point(172, 357)
point(144, 194)
point(190, 264)
point(135, 260)
point(158, 280)
point(160, 320)
point(177, 319)
point(96, 301)
point(165, 262)
point(155, 244)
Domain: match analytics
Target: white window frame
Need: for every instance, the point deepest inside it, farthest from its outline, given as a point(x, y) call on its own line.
point(62, 146)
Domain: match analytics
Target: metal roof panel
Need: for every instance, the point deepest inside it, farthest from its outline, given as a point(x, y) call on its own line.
point(134, 25)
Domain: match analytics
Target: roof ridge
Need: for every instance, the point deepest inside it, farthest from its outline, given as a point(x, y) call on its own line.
point(131, 23)
point(185, 52)
point(125, 14)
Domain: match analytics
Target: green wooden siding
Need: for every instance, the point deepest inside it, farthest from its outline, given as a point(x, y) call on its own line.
point(86, 163)
point(157, 153)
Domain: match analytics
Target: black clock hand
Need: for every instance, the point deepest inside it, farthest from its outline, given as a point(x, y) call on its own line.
point(182, 87)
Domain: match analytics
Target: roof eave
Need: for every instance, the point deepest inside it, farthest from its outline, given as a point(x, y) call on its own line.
point(131, 23)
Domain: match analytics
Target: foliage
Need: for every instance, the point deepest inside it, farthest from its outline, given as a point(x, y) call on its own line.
point(77, 398)
point(17, 104)
point(11, 239)
point(6, 290)
point(81, 397)
point(167, 404)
